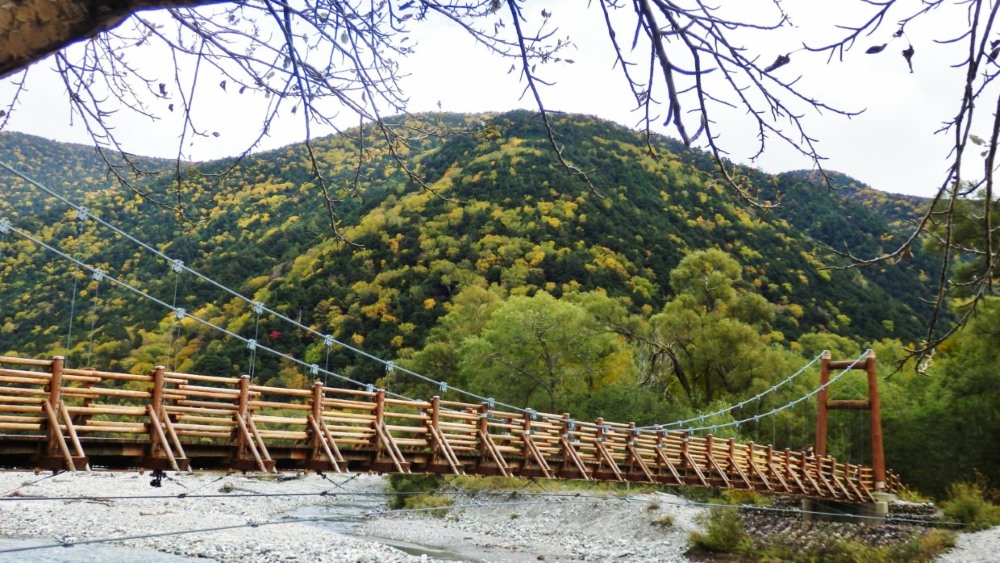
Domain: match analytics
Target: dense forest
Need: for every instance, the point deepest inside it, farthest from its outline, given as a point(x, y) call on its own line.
point(468, 254)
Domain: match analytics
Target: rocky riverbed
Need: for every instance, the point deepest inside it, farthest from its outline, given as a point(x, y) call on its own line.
point(226, 518)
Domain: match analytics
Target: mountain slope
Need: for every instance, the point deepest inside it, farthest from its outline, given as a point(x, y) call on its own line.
point(496, 209)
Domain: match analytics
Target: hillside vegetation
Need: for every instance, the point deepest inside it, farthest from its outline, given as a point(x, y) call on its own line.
point(652, 295)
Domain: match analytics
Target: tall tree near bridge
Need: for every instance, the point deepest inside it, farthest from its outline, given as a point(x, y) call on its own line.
point(683, 62)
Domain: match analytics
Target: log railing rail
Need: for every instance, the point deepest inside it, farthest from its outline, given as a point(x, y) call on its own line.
point(57, 418)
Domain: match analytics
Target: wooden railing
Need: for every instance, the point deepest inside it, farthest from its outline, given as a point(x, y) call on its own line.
point(53, 417)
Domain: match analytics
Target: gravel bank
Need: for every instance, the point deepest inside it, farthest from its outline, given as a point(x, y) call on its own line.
point(74, 519)
point(977, 547)
point(508, 527)
point(513, 528)
point(652, 527)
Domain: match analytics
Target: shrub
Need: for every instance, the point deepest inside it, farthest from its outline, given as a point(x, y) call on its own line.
point(925, 547)
point(968, 506)
point(724, 532)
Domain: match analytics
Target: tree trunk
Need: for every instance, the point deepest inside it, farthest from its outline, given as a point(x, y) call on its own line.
point(30, 30)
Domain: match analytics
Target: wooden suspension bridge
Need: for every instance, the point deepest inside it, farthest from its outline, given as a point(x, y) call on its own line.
point(56, 418)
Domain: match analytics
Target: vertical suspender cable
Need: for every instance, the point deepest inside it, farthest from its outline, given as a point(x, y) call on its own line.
point(98, 278)
point(175, 327)
point(4, 229)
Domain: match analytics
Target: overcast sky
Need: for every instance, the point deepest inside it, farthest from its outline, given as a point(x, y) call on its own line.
point(891, 146)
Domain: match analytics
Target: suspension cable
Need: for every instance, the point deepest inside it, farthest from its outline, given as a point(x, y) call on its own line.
point(181, 313)
point(741, 404)
point(329, 340)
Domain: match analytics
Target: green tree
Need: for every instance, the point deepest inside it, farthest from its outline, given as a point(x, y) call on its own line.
point(948, 428)
point(539, 351)
point(714, 333)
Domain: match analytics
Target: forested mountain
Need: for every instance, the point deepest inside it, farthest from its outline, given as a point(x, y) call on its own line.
point(496, 208)
point(469, 254)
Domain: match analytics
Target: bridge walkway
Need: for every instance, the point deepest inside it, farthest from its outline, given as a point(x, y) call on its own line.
point(57, 418)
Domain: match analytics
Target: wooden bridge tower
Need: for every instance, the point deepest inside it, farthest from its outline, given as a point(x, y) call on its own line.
point(871, 405)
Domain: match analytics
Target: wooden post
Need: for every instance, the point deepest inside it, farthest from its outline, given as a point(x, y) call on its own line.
point(55, 395)
point(379, 405)
point(822, 403)
point(243, 408)
point(875, 414)
point(484, 413)
point(435, 408)
point(55, 381)
point(432, 428)
point(317, 402)
point(317, 415)
point(244, 405)
point(156, 401)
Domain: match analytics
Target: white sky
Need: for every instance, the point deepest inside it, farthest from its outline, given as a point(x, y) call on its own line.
point(892, 146)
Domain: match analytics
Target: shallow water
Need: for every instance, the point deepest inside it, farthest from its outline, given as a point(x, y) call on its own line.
point(345, 513)
point(84, 553)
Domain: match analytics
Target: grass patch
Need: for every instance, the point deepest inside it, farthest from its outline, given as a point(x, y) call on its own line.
point(474, 484)
point(752, 498)
point(435, 505)
point(416, 492)
point(923, 546)
point(664, 521)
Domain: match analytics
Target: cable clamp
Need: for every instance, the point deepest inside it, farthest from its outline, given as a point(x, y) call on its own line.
point(443, 387)
point(369, 388)
point(258, 307)
point(390, 366)
point(314, 369)
point(82, 213)
point(531, 413)
point(252, 344)
point(490, 403)
point(180, 313)
point(571, 424)
point(98, 275)
point(177, 266)
point(328, 340)
point(4, 225)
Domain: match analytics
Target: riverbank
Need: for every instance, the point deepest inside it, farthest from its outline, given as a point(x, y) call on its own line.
point(310, 518)
point(240, 518)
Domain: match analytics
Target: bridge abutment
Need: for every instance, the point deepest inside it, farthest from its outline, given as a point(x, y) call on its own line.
point(833, 511)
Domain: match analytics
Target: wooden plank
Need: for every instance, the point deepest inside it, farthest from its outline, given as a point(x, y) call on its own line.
point(25, 361)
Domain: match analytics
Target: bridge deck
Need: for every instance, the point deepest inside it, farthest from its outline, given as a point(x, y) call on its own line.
point(53, 417)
